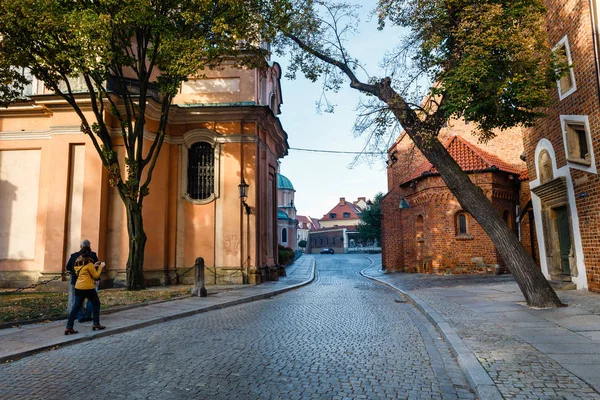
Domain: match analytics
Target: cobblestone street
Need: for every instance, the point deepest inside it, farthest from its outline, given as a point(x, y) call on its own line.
point(342, 337)
point(528, 353)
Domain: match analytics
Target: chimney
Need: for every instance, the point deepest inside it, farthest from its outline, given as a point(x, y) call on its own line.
point(342, 201)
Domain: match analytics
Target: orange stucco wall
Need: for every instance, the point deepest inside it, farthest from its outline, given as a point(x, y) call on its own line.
point(250, 141)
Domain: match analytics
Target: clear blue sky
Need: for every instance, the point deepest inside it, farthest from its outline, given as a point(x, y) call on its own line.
point(321, 179)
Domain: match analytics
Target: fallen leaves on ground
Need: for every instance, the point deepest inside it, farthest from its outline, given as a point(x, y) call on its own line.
point(31, 305)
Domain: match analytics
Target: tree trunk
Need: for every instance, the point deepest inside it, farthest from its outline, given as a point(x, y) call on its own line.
point(137, 244)
point(529, 277)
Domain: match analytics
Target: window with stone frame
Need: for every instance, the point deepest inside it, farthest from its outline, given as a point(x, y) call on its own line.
point(578, 142)
point(566, 84)
point(201, 171)
point(284, 235)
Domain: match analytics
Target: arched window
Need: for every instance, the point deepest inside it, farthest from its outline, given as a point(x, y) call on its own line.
point(284, 235)
point(461, 224)
point(201, 171)
point(419, 227)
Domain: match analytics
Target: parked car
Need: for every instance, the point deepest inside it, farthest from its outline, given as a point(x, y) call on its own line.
point(327, 250)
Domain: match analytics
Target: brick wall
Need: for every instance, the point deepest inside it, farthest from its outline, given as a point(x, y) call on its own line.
point(573, 19)
point(424, 238)
point(326, 238)
point(392, 257)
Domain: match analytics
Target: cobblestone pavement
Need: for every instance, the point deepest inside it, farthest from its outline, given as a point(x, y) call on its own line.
point(519, 370)
point(342, 337)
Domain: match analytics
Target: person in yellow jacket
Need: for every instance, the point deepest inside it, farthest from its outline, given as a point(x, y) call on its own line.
point(86, 272)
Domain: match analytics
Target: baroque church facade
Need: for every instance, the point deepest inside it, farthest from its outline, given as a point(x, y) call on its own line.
point(55, 192)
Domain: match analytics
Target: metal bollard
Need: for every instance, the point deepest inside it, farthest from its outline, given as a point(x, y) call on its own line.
point(199, 289)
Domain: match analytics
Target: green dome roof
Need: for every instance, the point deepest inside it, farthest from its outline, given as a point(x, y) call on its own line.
point(284, 183)
point(282, 215)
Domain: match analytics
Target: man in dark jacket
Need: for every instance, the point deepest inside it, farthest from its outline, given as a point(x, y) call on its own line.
point(81, 315)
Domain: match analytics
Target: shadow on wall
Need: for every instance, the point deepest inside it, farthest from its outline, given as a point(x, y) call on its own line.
point(8, 196)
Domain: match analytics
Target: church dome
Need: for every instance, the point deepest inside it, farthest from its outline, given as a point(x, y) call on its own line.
point(284, 183)
point(282, 215)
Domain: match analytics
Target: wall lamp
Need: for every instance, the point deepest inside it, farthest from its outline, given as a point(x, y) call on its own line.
point(243, 187)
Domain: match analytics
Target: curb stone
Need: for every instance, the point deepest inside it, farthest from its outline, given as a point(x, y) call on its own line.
point(70, 340)
point(476, 375)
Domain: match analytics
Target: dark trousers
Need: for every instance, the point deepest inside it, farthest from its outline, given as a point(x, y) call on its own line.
point(81, 295)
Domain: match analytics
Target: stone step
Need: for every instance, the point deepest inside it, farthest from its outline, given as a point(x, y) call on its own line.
point(562, 285)
point(560, 277)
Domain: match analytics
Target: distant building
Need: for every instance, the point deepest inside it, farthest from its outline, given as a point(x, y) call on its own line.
point(338, 227)
point(306, 225)
point(286, 213)
point(343, 214)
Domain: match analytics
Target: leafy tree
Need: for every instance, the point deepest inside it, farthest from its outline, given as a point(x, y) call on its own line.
point(302, 244)
point(132, 55)
point(369, 226)
point(486, 61)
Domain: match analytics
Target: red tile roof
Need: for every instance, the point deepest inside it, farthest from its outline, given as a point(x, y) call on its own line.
point(316, 225)
point(303, 222)
point(340, 209)
point(469, 157)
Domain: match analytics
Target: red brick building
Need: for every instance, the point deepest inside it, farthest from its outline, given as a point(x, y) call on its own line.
point(424, 229)
point(562, 149)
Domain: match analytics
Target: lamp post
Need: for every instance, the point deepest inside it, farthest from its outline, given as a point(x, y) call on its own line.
point(243, 187)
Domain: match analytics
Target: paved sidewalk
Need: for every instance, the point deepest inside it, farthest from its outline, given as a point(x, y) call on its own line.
point(26, 340)
point(507, 349)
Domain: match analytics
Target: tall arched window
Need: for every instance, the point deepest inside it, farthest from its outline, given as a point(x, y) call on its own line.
point(284, 235)
point(461, 224)
point(201, 171)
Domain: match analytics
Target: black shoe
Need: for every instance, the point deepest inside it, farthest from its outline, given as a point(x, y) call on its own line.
point(84, 319)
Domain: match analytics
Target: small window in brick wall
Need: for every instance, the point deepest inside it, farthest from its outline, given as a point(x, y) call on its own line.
point(566, 84)
point(346, 215)
point(332, 215)
point(577, 143)
point(462, 227)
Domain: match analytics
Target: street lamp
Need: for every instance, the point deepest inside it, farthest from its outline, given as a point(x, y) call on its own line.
point(243, 187)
